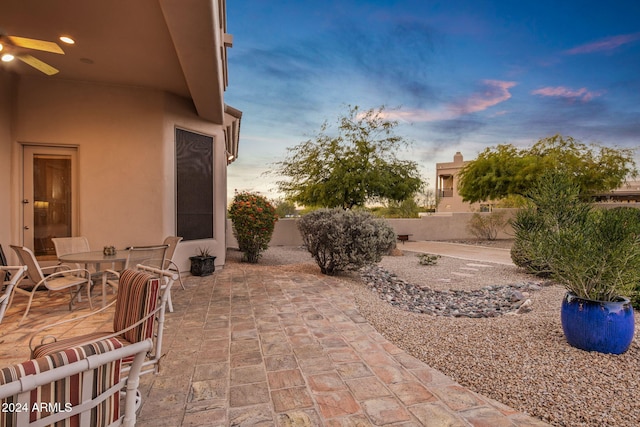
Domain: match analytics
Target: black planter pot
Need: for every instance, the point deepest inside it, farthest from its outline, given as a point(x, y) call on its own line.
point(602, 326)
point(202, 265)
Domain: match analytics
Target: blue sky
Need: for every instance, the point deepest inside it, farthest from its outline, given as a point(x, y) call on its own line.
point(457, 75)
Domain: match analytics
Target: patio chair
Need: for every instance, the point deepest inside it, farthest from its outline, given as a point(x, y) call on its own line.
point(75, 245)
point(15, 275)
point(70, 245)
point(150, 256)
point(139, 315)
point(169, 264)
point(58, 280)
point(3, 262)
point(78, 386)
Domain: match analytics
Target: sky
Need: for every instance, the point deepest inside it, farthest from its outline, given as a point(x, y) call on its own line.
point(456, 75)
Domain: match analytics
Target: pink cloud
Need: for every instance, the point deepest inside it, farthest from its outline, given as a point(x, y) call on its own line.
point(493, 92)
point(581, 94)
point(606, 44)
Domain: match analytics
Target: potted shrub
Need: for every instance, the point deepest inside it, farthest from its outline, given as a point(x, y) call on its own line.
point(594, 253)
point(598, 261)
point(253, 219)
point(203, 264)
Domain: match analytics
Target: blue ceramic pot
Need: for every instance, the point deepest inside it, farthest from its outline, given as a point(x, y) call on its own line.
point(603, 326)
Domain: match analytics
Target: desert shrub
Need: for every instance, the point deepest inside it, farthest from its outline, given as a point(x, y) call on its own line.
point(631, 223)
point(485, 226)
point(342, 240)
point(428, 259)
point(528, 248)
point(400, 209)
point(253, 219)
point(594, 253)
point(598, 258)
point(553, 204)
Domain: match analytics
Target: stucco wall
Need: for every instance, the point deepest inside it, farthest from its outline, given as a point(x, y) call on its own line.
point(6, 94)
point(118, 133)
point(434, 227)
point(126, 151)
point(445, 226)
point(179, 113)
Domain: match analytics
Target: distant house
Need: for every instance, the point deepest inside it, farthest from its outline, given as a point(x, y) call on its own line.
point(447, 187)
point(450, 201)
point(125, 138)
point(629, 192)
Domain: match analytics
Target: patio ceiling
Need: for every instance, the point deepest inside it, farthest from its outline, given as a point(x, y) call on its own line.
point(169, 45)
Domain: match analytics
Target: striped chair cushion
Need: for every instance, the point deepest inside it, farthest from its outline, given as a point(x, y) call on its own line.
point(137, 297)
point(66, 391)
point(56, 346)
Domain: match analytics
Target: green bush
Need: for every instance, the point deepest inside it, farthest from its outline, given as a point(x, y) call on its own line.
point(594, 253)
point(253, 219)
point(527, 250)
point(342, 240)
point(553, 203)
point(599, 259)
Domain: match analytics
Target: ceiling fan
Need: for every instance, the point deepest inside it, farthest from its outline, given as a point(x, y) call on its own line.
point(14, 47)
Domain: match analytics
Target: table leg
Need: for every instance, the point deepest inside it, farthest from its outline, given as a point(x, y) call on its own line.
point(98, 267)
point(104, 288)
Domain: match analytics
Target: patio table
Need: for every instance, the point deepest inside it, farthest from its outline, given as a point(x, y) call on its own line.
point(97, 259)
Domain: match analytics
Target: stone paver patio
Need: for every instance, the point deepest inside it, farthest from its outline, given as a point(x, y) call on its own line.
point(265, 346)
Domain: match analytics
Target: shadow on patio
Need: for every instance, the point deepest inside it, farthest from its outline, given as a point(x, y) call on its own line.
point(257, 345)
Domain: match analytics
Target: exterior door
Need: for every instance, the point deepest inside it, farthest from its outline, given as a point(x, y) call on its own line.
point(49, 197)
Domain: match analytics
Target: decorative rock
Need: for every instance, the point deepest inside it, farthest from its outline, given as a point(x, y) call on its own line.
point(525, 307)
point(489, 301)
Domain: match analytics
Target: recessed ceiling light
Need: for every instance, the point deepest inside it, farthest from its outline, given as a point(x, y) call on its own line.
point(7, 57)
point(67, 40)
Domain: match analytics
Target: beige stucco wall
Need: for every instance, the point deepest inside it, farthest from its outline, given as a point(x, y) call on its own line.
point(179, 113)
point(445, 226)
point(451, 226)
point(126, 152)
point(6, 95)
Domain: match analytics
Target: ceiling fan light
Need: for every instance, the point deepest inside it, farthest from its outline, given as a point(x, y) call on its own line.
point(7, 57)
point(67, 40)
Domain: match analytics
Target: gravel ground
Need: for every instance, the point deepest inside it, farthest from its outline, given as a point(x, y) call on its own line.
point(520, 360)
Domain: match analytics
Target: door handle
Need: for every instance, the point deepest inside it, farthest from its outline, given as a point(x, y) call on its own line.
point(25, 201)
point(26, 227)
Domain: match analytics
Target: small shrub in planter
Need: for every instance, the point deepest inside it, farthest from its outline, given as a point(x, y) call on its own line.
point(203, 264)
point(598, 259)
point(253, 219)
point(599, 264)
point(342, 240)
point(593, 253)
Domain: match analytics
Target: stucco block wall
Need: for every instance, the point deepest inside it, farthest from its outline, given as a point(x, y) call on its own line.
point(6, 112)
point(434, 227)
point(444, 226)
point(125, 139)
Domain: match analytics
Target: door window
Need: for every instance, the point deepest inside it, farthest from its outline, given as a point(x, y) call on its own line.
point(49, 206)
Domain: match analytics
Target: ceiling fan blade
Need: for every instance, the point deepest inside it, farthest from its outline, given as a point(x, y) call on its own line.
point(37, 64)
point(36, 44)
